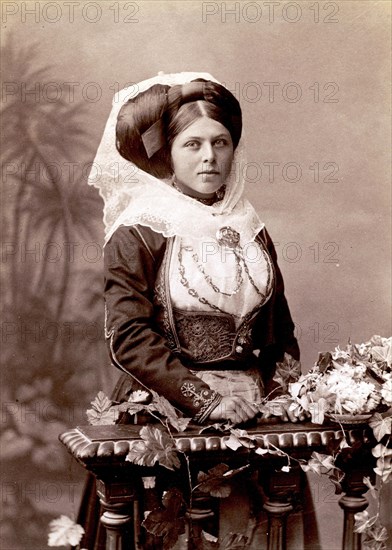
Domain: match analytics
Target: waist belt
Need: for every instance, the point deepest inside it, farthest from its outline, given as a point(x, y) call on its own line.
point(209, 337)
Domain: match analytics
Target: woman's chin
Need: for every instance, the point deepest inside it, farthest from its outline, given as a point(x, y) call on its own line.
point(208, 185)
point(203, 189)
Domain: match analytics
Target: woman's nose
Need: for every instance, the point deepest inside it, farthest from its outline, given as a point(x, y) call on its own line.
point(208, 153)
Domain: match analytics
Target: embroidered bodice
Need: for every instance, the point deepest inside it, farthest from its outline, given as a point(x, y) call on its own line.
point(209, 295)
point(160, 346)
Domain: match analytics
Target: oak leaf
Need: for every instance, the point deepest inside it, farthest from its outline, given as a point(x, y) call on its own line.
point(232, 541)
point(318, 463)
point(217, 427)
point(209, 542)
point(386, 392)
point(384, 468)
point(260, 451)
point(324, 361)
point(372, 488)
point(240, 438)
point(336, 477)
point(139, 396)
point(288, 371)
point(130, 408)
point(375, 538)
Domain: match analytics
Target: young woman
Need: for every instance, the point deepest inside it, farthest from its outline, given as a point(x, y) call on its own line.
point(195, 305)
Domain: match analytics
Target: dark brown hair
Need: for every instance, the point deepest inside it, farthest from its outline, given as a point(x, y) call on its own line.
point(218, 104)
point(169, 111)
point(135, 117)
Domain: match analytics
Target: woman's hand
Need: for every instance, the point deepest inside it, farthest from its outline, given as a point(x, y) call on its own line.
point(286, 409)
point(236, 409)
point(297, 414)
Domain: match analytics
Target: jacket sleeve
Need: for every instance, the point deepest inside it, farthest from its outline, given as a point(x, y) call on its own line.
point(276, 328)
point(135, 345)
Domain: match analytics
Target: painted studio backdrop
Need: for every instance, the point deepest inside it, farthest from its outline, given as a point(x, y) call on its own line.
point(313, 82)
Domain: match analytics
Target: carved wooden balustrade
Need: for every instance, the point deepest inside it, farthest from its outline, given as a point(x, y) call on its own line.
point(123, 490)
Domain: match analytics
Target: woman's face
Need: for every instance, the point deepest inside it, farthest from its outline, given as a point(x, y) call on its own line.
point(201, 156)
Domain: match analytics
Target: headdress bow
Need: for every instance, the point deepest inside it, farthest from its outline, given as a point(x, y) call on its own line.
point(154, 137)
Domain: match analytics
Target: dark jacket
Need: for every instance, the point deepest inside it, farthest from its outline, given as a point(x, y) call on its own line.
point(142, 337)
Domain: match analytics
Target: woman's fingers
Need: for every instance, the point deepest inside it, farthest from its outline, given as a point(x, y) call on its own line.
point(291, 415)
point(288, 414)
point(236, 409)
point(245, 410)
point(284, 417)
point(294, 414)
point(249, 409)
point(304, 415)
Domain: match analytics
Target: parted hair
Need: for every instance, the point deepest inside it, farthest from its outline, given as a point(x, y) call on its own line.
point(148, 124)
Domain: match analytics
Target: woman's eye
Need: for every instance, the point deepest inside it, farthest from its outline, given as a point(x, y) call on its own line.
point(192, 144)
point(220, 142)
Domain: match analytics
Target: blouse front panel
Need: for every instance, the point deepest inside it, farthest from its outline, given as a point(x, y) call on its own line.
point(205, 276)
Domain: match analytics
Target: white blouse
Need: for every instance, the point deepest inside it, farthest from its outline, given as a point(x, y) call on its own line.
point(205, 276)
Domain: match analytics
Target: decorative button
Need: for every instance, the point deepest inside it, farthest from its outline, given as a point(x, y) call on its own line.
point(239, 349)
point(188, 389)
point(227, 236)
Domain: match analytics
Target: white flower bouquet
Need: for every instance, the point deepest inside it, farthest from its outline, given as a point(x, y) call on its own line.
point(347, 384)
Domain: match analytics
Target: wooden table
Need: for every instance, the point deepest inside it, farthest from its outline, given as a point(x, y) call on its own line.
point(102, 451)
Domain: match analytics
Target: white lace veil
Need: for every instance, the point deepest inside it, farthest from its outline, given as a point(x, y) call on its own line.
point(132, 196)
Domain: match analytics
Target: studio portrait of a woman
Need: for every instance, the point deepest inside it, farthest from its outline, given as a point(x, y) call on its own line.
point(195, 304)
point(183, 299)
point(196, 271)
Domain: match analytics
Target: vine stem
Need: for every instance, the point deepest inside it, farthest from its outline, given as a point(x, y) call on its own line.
point(382, 479)
point(282, 453)
point(166, 425)
point(188, 468)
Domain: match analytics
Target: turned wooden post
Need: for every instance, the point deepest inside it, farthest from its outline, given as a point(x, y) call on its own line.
point(359, 466)
point(277, 520)
point(280, 488)
point(102, 450)
point(117, 499)
point(117, 525)
point(351, 506)
point(352, 503)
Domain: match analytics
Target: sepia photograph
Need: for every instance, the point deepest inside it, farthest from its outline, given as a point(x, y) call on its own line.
point(196, 334)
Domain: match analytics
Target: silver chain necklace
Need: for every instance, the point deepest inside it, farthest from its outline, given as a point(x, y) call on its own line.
point(208, 278)
point(226, 237)
point(191, 291)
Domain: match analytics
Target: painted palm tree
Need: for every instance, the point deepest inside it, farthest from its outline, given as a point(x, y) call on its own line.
point(44, 206)
point(49, 202)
